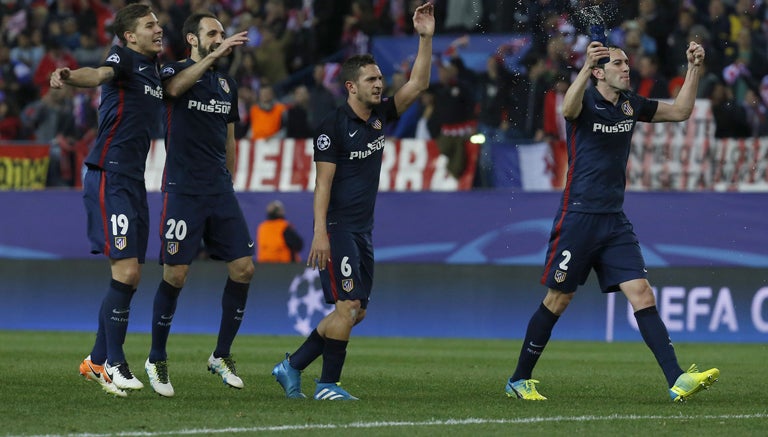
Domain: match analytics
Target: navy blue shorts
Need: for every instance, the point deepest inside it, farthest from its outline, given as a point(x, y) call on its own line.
point(118, 214)
point(581, 242)
point(349, 275)
point(216, 219)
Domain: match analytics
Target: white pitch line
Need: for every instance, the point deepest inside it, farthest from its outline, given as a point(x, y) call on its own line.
point(447, 422)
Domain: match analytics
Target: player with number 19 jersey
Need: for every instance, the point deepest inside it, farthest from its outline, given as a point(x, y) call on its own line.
point(131, 105)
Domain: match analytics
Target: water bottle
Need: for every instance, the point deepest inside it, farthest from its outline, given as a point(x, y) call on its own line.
point(597, 32)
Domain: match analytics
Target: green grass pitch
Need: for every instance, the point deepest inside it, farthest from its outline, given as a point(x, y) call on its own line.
point(414, 387)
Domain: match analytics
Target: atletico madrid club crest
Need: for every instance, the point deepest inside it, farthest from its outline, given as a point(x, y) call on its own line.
point(626, 108)
point(224, 84)
point(347, 285)
point(121, 243)
point(559, 276)
point(377, 124)
point(173, 247)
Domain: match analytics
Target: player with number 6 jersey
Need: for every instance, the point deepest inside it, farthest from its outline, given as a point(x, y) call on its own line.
point(348, 153)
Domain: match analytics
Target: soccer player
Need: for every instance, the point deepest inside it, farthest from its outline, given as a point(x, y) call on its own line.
point(113, 187)
point(590, 230)
point(348, 152)
point(199, 202)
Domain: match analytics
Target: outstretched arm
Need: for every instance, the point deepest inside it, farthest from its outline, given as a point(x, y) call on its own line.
point(180, 83)
point(86, 77)
point(682, 107)
point(424, 25)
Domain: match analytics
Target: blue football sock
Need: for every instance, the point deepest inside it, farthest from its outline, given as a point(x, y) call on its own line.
point(308, 351)
point(334, 353)
point(657, 338)
point(163, 309)
point(115, 310)
point(232, 311)
point(536, 338)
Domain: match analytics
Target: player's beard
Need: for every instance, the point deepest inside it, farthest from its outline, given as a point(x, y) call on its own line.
point(203, 52)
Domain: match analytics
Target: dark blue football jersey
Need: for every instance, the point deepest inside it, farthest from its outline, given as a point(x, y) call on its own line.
point(598, 141)
point(131, 106)
point(196, 133)
point(356, 147)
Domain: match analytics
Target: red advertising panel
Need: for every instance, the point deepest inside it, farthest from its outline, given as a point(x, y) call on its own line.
point(287, 165)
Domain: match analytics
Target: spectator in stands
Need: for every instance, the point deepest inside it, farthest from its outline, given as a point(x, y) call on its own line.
point(26, 51)
point(271, 55)
point(677, 41)
point(455, 114)
point(321, 99)
point(554, 132)
point(646, 80)
point(297, 115)
point(359, 25)
point(756, 113)
point(730, 117)
point(88, 54)
point(15, 79)
point(276, 239)
point(10, 124)
point(55, 57)
point(719, 28)
point(267, 115)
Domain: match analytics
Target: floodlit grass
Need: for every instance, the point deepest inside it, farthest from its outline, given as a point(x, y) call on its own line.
point(415, 387)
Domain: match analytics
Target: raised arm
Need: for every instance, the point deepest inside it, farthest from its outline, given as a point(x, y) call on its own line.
point(86, 77)
point(575, 93)
point(424, 25)
point(180, 83)
point(682, 107)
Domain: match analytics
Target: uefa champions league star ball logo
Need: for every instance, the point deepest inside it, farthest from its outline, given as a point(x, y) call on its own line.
point(306, 306)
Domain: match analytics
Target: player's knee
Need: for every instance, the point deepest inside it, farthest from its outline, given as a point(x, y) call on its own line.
point(241, 270)
point(349, 311)
point(360, 316)
point(175, 275)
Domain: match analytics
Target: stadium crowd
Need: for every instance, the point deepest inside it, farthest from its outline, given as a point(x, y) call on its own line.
point(287, 73)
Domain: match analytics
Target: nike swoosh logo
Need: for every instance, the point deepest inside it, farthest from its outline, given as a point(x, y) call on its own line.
point(535, 345)
point(109, 374)
point(164, 317)
point(95, 373)
point(240, 310)
point(250, 244)
point(352, 134)
point(120, 311)
point(143, 67)
point(599, 107)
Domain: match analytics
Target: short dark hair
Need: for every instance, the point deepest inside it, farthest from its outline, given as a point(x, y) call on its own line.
point(127, 19)
point(350, 69)
point(192, 24)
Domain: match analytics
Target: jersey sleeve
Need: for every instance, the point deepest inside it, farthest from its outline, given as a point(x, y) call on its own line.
point(389, 109)
point(234, 113)
point(326, 141)
point(647, 109)
point(171, 69)
point(120, 61)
